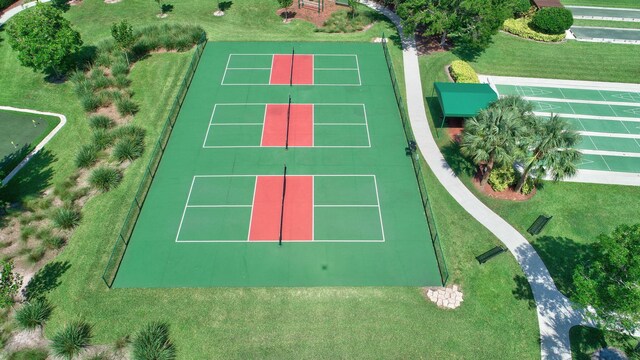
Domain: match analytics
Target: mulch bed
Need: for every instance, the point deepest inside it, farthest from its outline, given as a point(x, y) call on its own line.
point(311, 14)
point(429, 44)
point(508, 194)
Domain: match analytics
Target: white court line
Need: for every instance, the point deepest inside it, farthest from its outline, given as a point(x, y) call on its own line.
point(218, 206)
point(185, 208)
point(358, 65)
point(226, 67)
point(283, 241)
point(271, 68)
point(313, 125)
point(237, 124)
point(345, 206)
point(339, 124)
point(281, 146)
point(248, 68)
point(264, 126)
point(587, 117)
point(339, 69)
point(206, 136)
point(253, 201)
point(556, 83)
point(366, 120)
point(313, 209)
point(610, 153)
point(295, 84)
point(313, 74)
point(375, 181)
point(605, 162)
point(575, 101)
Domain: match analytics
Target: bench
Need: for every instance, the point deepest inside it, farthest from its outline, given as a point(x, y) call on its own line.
point(490, 254)
point(539, 224)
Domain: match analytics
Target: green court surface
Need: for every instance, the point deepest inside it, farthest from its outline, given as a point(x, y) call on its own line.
point(353, 214)
point(599, 12)
point(608, 120)
point(20, 132)
point(589, 32)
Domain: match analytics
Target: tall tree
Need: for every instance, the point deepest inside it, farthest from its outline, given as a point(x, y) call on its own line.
point(490, 138)
point(610, 282)
point(472, 22)
point(10, 283)
point(44, 39)
point(122, 33)
point(551, 150)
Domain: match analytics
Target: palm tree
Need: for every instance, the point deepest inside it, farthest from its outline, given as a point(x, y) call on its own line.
point(491, 138)
point(34, 314)
point(72, 339)
point(552, 150)
point(524, 107)
point(153, 343)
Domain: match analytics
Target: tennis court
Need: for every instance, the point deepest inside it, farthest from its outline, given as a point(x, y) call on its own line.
point(284, 175)
point(20, 132)
point(608, 120)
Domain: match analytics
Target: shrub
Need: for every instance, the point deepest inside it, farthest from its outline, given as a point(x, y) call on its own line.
point(126, 106)
point(528, 186)
point(552, 20)
point(122, 81)
point(53, 242)
point(66, 217)
point(103, 59)
point(86, 156)
point(27, 231)
point(99, 80)
point(128, 149)
point(462, 72)
point(76, 76)
point(102, 139)
point(521, 27)
point(72, 339)
point(36, 254)
point(501, 178)
point(29, 354)
point(153, 342)
point(34, 313)
point(341, 22)
point(120, 67)
point(90, 101)
point(105, 178)
point(520, 7)
point(130, 131)
point(100, 122)
point(82, 85)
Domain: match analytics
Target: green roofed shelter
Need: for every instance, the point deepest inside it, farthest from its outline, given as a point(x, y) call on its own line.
point(462, 99)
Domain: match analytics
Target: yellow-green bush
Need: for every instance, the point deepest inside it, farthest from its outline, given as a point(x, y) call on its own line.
point(462, 72)
point(520, 27)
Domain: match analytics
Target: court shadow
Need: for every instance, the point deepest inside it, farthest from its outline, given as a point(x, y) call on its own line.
point(45, 280)
point(34, 178)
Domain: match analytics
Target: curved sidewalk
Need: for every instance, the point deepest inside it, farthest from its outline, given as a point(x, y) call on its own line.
point(555, 312)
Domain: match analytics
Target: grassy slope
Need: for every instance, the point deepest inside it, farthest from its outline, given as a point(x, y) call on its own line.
point(512, 56)
point(581, 211)
point(631, 4)
point(316, 322)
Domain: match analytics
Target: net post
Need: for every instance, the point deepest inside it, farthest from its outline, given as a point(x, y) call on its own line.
point(284, 191)
point(286, 141)
point(293, 55)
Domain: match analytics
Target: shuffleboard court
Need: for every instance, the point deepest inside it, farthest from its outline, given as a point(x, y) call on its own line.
point(607, 119)
point(284, 178)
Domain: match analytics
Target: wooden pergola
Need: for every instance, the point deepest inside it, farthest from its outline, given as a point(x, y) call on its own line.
point(546, 3)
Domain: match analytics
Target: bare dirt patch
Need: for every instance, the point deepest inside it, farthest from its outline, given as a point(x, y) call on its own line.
point(26, 339)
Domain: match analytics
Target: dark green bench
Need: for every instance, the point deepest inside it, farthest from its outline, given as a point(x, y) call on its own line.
point(489, 254)
point(539, 224)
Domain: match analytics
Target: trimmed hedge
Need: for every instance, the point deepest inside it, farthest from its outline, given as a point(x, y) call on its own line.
point(520, 27)
point(552, 20)
point(462, 72)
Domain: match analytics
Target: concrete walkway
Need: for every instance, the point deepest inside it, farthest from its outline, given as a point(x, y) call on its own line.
point(13, 11)
point(556, 314)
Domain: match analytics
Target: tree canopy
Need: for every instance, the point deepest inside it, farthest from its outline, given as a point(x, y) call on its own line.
point(43, 39)
point(122, 33)
point(469, 22)
point(610, 281)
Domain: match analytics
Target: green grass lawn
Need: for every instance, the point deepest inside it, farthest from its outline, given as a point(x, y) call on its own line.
point(258, 322)
point(631, 4)
point(512, 56)
point(580, 211)
point(604, 23)
point(20, 132)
